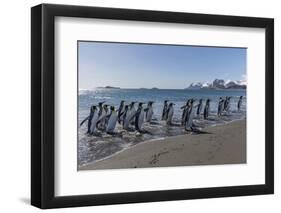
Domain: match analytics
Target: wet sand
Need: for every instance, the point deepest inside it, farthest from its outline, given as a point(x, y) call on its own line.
point(224, 144)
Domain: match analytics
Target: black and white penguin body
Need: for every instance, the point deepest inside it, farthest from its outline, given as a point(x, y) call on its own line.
point(139, 118)
point(170, 113)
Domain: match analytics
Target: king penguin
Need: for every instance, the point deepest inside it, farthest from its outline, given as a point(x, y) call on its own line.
point(101, 114)
point(190, 116)
point(164, 112)
point(228, 105)
point(239, 103)
point(220, 106)
point(184, 112)
point(206, 109)
point(120, 110)
point(139, 117)
point(101, 124)
point(199, 107)
point(149, 111)
point(89, 118)
point(94, 120)
point(132, 113)
point(112, 120)
point(126, 119)
point(170, 113)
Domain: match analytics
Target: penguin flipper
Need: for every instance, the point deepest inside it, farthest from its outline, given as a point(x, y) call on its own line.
point(121, 113)
point(107, 116)
point(133, 117)
point(84, 120)
point(98, 122)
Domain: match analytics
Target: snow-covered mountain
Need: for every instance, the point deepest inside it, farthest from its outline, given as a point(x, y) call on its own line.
point(219, 84)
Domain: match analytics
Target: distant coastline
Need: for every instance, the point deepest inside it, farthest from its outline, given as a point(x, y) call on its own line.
point(189, 89)
point(217, 84)
point(108, 87)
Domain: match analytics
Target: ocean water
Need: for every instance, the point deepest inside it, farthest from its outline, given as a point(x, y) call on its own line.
point(94, 148)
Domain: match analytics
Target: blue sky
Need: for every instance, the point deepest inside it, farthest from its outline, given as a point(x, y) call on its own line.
point(163, 66)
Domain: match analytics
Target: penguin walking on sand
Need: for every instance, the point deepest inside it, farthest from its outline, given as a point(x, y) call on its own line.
point(164, 112)
point(170, 113)
point(94, 121)
point(126, 119)
point(189, 116)
point(139, 117)
point(199, 107)
point(93, 110)
point(149, 112)
point(206, 109)
point(100, 104)
point(220, 106)
point(132, 112)
point(100, 113)
point(101, 124)
point(120, 110)
point(107, 114)
point(185, 111)
point(225, 103)
point(227, 109)
point(112, 120)
point(239, 103)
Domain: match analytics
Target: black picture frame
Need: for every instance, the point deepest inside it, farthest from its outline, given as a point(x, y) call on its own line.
point(43, 110)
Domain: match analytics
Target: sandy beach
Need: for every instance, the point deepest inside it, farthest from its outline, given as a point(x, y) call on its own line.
point(223, 144)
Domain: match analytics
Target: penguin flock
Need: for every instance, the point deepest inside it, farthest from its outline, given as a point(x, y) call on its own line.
point(104, 118)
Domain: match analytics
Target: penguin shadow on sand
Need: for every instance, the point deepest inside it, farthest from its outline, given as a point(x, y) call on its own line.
point(105, 134)
point(96, 134)
point(154, 122)
point(131, 130)
point(175, 125)
point(212, 119)
point(143, 131)
point(196, 131)
point(115, 134)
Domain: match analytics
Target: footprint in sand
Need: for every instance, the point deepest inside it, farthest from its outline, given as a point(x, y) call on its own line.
point(155, 157)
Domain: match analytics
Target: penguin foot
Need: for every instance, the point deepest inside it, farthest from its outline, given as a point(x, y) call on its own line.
point(98, 134)
point(154, 123)
point(130, 129)
point(174, 124)
point(114, 133)
point(198, 131)
point(143, 131)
